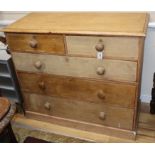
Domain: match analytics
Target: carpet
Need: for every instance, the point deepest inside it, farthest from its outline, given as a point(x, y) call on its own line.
point(34, 140)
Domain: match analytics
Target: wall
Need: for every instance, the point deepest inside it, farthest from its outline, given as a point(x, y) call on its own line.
point(148, 66)
point(149, 51)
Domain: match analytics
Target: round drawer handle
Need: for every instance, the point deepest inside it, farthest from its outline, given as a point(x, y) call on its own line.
point(102, 115)
point(101, 94)
point(100, 70)
point(47, 106)
point(33, 43)
point(38, 64)
point(42, 85)
point(99, 47)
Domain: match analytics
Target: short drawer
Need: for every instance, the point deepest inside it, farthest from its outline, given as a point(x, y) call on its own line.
point(114, 94)
point(107, 69)
point(114, 47)
point(80, 111)
point(41, 43)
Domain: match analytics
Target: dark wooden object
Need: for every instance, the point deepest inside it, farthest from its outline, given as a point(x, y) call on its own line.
point(3, 39)
point(152, 103)
point(7, 111)
point(4, 108)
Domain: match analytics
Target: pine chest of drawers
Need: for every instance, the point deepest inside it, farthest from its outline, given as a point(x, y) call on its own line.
point(81, 70)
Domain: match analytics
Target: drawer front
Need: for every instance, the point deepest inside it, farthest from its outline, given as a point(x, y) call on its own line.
point(44, 43)
point(114, 47)
point(81, 111)
point(79, 89)
point(106, 69)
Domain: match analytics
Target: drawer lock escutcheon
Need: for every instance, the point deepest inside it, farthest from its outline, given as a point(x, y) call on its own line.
point(100, 49)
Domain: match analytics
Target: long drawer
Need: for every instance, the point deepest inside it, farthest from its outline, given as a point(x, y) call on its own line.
point(114, 47)
point(80, 111)
point(115, 94)
point(37, 43)
point(106, 69)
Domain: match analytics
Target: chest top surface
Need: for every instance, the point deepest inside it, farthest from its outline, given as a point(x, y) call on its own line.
point(123, 24)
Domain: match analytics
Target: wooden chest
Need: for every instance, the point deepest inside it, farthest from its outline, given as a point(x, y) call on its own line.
point(81, 70)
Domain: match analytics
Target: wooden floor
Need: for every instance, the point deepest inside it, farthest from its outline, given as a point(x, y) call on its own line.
point(146, 129)
point(146, 125)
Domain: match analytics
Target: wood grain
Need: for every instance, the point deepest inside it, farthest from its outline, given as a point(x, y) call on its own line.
point(96, 128)
point(114, 47)
point(46, 43)
point(109, 135)
point(139, 77)
point(146, 132)
point(116, 70)
point(101, 23)
point(106, 134)
point(80, 111)
point(147, 118)
point(115, 94)
point(4, 107)
point(146, 121)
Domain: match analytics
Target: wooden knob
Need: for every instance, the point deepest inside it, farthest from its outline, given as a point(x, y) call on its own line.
point(101, 94)
point(99, 47)
point(38, 64)
point(47, 106)
point(102, 115)
point(100, 70)
point(42, 85)
point(33, 43)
